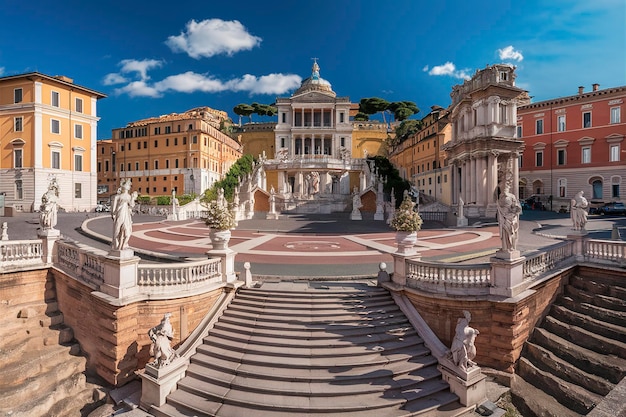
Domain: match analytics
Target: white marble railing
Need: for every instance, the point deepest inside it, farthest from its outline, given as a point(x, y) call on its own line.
point(432, 275)
point(605, 250)
point(84, 263)
point(161, 275)
point(547, 260)
point(17, 253)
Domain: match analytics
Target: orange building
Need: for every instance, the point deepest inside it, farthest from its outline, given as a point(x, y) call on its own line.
point(574, 143)
point(184, 152)
point(421, 160)
point(48, 128)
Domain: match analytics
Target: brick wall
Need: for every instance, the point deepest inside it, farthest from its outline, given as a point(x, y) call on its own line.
point(504, 326)
point(115, 338)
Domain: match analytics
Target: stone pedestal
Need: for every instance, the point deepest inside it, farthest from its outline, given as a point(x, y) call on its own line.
point(470, 387)
point(399, 266)
point(228, 263)
point(356, 215)
point(380, 212)
point(579, 243)
point(120, 274)
point(406, 243)
point(461, 222)
point(272, 215)
point(507, 274)
point(48, 238)
point(158, 383)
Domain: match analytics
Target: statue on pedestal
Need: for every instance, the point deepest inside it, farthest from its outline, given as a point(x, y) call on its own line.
point(161, 336)
point(463, 349)
point(578, 213)
point(122, 214)
point(509, 210)
point(49, 206)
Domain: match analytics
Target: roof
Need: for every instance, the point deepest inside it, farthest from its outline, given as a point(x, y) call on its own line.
point(60, 79)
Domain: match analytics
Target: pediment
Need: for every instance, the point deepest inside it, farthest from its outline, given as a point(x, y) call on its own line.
point(313, 97)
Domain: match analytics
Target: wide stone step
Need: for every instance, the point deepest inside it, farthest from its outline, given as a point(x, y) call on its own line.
point(570, 395)
point(533, 401)
point(269, 371)
point(404, 353)
point(30, 363)
point(273, 298)
point(603, 315)
point(608, 367)
point(33, 322)
point(549, 362)
point(604, 328)
point(267, 321)
point(295, 331)
point(595, 285)
point(283, 305)
point(329, 313)
point(599, 300)
point(317, 340)
point(320, 290)
point(585, 338)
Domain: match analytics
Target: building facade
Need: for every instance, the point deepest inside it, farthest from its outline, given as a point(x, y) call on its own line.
point(571, 144)
point(420, 159)
point(182, 152)
point(48, 129)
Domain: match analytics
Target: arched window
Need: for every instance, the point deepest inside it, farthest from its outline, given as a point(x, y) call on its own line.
point(596, 186)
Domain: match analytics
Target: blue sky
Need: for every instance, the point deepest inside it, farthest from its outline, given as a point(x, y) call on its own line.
point(154, 58)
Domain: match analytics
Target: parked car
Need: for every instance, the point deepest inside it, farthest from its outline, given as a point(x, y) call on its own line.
point(614, 208)
point(103, 207)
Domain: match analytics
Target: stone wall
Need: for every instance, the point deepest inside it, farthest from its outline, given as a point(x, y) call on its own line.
point(115, 338)
point(25, 287)
point(504, 325)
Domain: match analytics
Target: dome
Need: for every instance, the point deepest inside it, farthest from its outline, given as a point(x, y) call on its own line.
point(315, 82)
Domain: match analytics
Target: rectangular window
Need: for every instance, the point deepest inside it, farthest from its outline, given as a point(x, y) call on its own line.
point(587, 119)
point(157, 130)
point(121, 167)
point(129, 145)
point(136, 166)
point(19, 124)
point(55, 126)
point(343, 141)
point(54, 99)
point(78, 132)
point(156, 143)
point(167, 142)
point(194, 139)
point(283, 117)
point(128, 167)
point(539, 127)
point(56, 160)
point(78, 162)
point(560, 123)
point(106, 166)
point(17, 95)
point(341, 117)
point(78, 190)
point(519, 132)
point(520, 159)
point(19, 190)
point(18, 158)
point(145, 144)
point(156, 164)
point(615, 190)
point(184, 140)
point(79, 105)
point(168, 129)
point(99, 166)
point(145, 165)
point(615, 151)
point(586, 158)
point(615, 115)
point(503, 114)
point(175, 141)
point(560, 157)
point(539, 158)
point(176, 163)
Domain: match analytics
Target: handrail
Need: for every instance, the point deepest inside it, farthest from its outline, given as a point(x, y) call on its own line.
point(605, 250)
point(548, 259)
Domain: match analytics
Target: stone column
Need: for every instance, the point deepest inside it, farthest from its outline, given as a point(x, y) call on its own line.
point(473, 178)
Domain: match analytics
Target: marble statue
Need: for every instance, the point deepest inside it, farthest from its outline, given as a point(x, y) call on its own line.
point(122, 212)
point(49, 206)
point(509, 210)
point(461, 204)
point(578, 213)
point(315, 182)
point(175, 205)
point(463, 349)
point(221, 200)
point(161, 336)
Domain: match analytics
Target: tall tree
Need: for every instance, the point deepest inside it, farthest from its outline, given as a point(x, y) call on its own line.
point(374, 105)
point(402, 110)
point(243, 109)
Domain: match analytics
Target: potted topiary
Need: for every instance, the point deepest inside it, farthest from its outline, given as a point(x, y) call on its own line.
point(220, 220)
point(406, 222)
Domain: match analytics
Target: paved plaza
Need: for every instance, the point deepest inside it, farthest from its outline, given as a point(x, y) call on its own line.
point(314, 245)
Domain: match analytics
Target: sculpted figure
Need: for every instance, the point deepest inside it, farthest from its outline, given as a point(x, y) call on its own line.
point(578, 213)
point(463, 349)
point(161, 336)
point(509, 210)
point(122, 212)
point(49, 206)
point(175, 205)
point(461, 204)
point(221, 200)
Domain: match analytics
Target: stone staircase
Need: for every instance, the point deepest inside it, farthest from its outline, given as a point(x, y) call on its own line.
point(41, 370)
point(578, 354)
point(312, 349)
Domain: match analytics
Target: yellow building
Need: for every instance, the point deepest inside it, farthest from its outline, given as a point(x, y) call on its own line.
point(420, 159)
point(48, 129)
point(183, 152)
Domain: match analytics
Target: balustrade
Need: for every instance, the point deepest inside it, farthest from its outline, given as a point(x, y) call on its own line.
point(547, 260)
point(16, 251)
point(204, 271)
point(605, 250)
point(477, 276)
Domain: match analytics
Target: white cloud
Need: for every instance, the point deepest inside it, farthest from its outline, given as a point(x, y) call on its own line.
point(138, 89)
point(448, 69)
point(266, 84)
point(425, 69)
point(211, 37)
point(114, 78)
point(1, 70)
point(140, 67)
point(510, 53)
point(190, 82)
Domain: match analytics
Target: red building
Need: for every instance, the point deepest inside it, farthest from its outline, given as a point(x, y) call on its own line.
point(572, 144)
